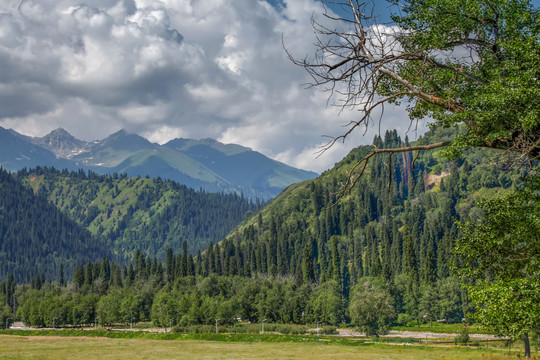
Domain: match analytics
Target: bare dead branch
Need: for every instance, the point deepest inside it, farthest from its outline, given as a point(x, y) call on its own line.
point(364, 66)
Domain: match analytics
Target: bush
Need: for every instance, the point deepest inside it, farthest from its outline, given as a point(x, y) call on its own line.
point(328, 330)
point(285, 329)
point(412, 323)
point(290, 329)
point(178, 329)
point(405, 319)
point(463, 338)
point(243, 328)
point(194, 329)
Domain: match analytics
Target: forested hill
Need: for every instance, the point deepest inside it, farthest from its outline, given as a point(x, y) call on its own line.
point(137, 213)
point(37, 238)
point(373, 230)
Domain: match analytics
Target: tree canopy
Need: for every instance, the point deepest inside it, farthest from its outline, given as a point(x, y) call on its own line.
point(470, 63)
point(501, 253)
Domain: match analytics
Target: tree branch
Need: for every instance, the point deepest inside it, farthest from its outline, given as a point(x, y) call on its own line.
point(352, 179)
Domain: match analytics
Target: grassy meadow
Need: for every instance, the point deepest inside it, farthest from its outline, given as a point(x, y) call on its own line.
point(78, 347)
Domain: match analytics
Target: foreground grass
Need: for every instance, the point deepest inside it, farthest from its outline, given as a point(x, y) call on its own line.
point(68, 347)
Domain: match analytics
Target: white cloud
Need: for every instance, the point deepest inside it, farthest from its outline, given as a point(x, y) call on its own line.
point(169, 68)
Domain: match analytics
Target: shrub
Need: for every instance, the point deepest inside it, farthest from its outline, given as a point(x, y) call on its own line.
point(328, 330)
point(405, 319)
point(463, 338)
point(194, 329)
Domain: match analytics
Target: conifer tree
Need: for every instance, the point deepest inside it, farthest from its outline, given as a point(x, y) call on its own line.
point(61, 280)
point(307, 264)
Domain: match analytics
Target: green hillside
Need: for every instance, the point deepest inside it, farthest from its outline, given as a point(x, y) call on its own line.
point(480, 173)
point(36, 238)
point(137, 213)
point(404, 234)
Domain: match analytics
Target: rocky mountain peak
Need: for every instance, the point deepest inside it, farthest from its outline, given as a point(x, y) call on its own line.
point(62, 144)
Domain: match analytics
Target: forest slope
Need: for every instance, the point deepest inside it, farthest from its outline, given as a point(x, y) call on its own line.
point(37, 238)
point(387, 225)
point(137, 213)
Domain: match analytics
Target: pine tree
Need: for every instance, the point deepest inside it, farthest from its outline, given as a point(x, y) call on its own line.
point(307, 265)
point(184, 260)
point(61, 280)
point(396, 250)
point(78, 276)
point(105, 270)
point(10, 291)
point(170, 265)
point(89, 274)
point(336, 262)
point(116, 279)
point(410, 269)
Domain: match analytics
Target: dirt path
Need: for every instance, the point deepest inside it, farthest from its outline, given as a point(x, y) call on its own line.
point(420, 335)
point(50, 337)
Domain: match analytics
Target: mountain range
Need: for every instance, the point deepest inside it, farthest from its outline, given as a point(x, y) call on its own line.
point(206, 164)
point(303, 226)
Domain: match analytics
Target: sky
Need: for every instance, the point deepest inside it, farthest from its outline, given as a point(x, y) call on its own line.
point(166, 69)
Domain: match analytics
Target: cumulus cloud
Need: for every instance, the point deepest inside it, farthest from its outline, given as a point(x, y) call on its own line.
point(168, 68)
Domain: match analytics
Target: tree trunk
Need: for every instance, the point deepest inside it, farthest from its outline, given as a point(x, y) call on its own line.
point(527, 345)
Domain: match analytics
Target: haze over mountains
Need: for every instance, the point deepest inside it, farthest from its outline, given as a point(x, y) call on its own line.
point(206, 163)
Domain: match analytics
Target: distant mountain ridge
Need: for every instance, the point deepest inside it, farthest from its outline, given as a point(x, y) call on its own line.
point(206, 163)
point(18, 151)
point(62, 144)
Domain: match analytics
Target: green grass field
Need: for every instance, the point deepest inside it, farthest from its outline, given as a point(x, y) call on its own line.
point(65, 347)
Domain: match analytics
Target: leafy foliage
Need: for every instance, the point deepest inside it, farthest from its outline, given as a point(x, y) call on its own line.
point(495, 87)
point(371, 307)
point(501, 254)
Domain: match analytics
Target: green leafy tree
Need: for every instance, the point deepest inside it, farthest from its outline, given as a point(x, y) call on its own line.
point(247, 298)
point(227, 311)
point(326, 304)
point(29, 311)
point(83, 308)
point(131, 307)
point(491, 89)
point(269, 300)
point(5, 315)
point(501, 251)
point(372, 307)
point(109, 308)
point(429, 304)
point(164, 308)
point(449, 300)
